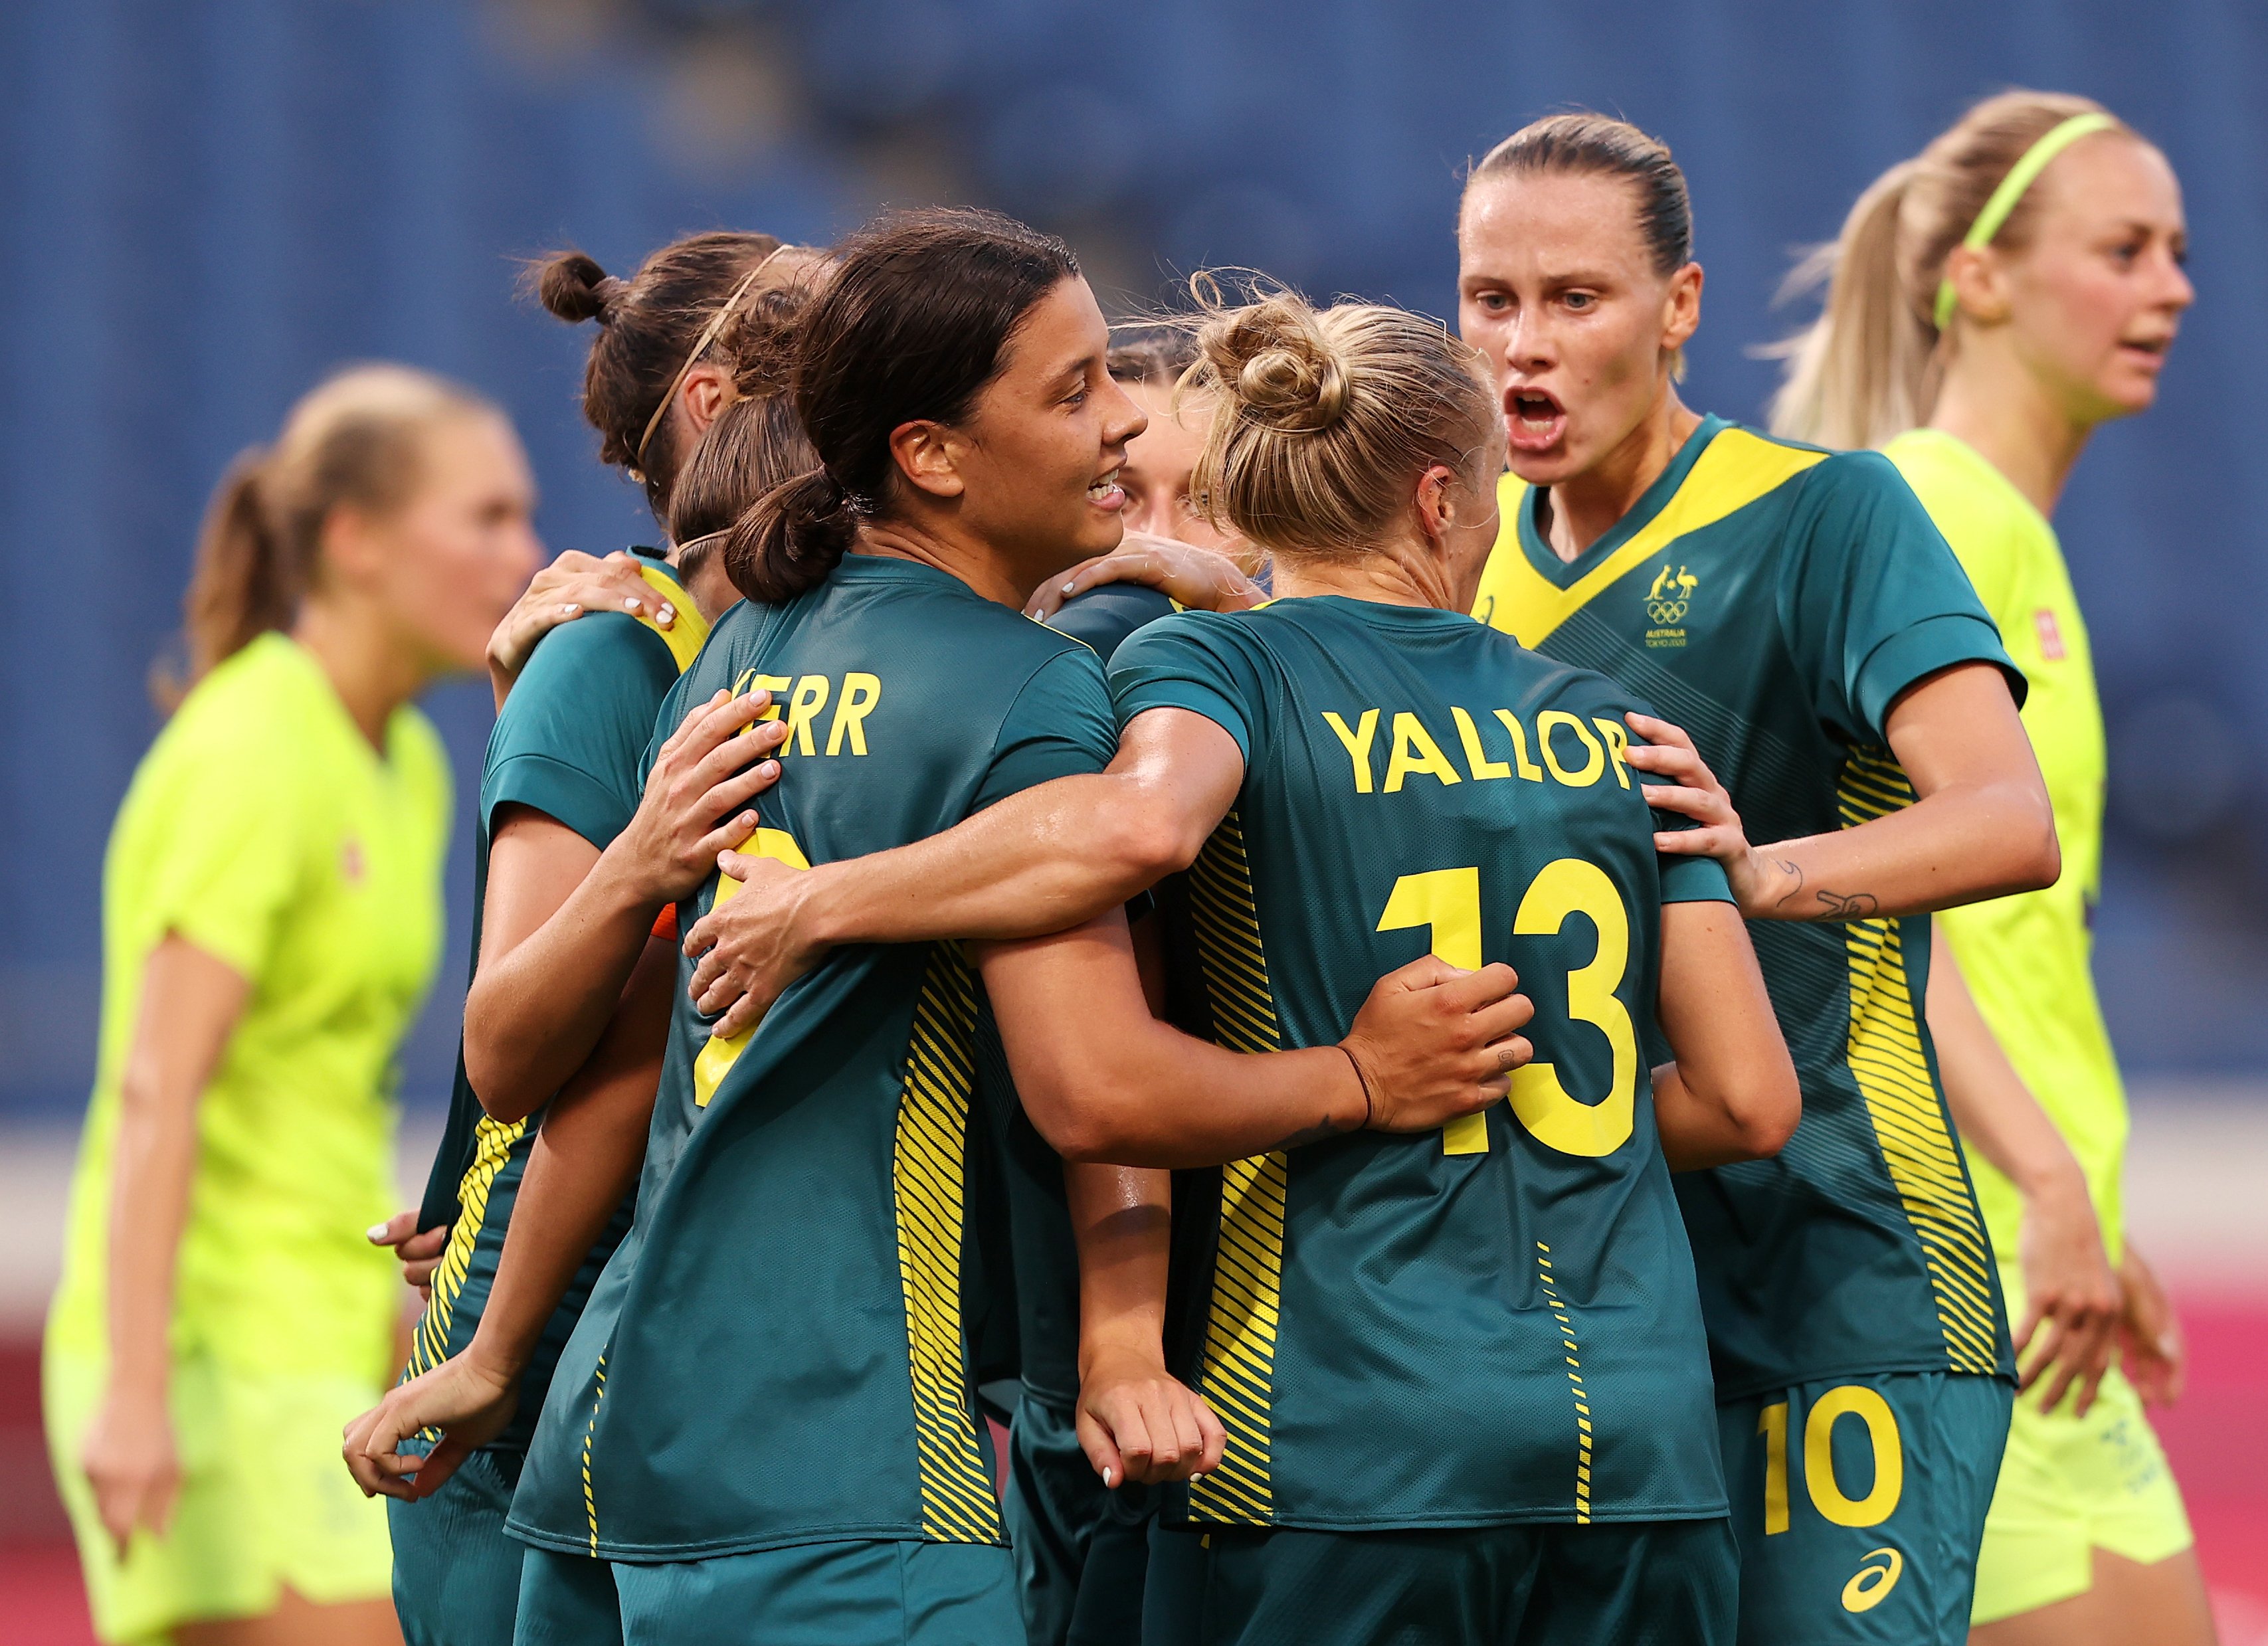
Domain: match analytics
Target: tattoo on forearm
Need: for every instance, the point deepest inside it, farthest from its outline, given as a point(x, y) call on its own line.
point(1833, 906)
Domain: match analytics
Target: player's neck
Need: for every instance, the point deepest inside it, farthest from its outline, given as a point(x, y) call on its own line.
point(1576, 512)
point(368, 666)
point(2002, 411)
point(976, 564)
point(1395, 574)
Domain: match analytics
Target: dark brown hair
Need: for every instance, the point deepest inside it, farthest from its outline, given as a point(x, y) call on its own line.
point(356, 440)
point(913, 322)
point(755, 442)
point(647, 326)
point(1585, 143)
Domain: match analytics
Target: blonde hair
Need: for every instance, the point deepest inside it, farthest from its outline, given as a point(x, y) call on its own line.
point(1326, 418)
point(355, 440)
point(1868, 368)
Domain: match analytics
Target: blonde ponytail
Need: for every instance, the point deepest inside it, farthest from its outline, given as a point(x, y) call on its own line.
point(1868, 370)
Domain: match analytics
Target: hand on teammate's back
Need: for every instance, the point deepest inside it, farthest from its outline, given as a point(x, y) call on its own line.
point(1434, 1042)
point(568, 587)
point(468, 1400)
point(751, 948)
point(707, 771)
point(1201, 579)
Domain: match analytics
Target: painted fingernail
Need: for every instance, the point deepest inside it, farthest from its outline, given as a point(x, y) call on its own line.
point(1110, 1477)
point(569, 609)
point(629, 603)
point(376, 1232)
point(667, 616)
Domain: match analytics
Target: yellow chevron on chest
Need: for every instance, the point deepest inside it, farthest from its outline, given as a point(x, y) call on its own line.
point(1736, 469)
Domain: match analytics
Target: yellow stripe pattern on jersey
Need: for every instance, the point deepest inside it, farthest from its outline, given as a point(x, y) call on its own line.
point(1909, 1118)
point(958, 1505)
point(493, 1146)
point(1240, 1355)
point(1575, 1359)
point(1735, 469)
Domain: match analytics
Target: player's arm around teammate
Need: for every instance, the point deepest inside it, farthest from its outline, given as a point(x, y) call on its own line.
point(2008, 290)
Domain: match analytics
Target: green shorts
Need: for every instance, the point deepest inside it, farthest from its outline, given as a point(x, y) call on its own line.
point(1081, 1548)
point(1663, 1583)
point(265, 1506)
point(456, 1575)
point(812, 1594)
point(1858, 1502)
point(2068, 1487)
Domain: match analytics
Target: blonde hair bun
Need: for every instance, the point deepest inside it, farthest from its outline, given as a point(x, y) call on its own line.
point(1275, 361)
point(1326, 419)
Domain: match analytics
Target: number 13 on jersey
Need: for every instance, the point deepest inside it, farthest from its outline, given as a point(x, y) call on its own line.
point(1448, 901)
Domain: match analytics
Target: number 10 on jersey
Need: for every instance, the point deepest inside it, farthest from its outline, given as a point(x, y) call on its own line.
point(1448, 901)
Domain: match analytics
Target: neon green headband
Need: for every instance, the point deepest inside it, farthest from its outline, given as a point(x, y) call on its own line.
point(2020, 177)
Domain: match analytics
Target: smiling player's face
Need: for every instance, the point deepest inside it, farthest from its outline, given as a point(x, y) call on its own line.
point(2097, 295)
point(1040, 452)
point(1159, 461)
point(1557, 287)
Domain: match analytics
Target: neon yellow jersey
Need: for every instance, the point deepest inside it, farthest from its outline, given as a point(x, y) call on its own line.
point(264, 828)
point(2026, 957)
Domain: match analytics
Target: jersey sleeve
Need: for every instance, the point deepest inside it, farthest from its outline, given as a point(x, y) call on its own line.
point(1059, 726)
point(238, 848)
point(1105, 617)
point(1684, 879)
point(571, 739)
point(1871, 598)
point(1197, 662)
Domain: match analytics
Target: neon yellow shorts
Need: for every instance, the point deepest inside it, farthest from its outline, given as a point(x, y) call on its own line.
point(265, 1503)
point(2070, 1486)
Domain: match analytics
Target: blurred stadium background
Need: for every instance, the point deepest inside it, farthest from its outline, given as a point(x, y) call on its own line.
point(204, 207)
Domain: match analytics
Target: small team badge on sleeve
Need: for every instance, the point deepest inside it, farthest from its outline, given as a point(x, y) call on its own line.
point(2044, 625)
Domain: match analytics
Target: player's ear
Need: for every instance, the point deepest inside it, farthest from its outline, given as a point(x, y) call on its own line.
point(1681, 313)
point(929, 454)
point(350, 546)
point(1436, 503)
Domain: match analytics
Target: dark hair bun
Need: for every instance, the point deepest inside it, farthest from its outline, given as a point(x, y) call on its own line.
point(573, 287)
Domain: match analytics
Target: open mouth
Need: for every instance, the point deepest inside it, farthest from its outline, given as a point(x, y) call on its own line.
point(1106, 493)
point(1533, 420)
point(2151, 349)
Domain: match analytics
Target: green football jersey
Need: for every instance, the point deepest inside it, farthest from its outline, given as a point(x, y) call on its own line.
point(570, 742)
point(1772, 599)
point(1497, 1322)
point(777, 1352)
